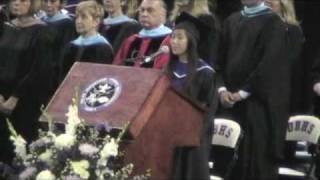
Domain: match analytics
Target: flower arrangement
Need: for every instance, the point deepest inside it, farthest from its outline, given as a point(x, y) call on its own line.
point(80, 152)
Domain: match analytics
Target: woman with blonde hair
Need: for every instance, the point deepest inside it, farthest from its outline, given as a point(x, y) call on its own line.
point(285, 9)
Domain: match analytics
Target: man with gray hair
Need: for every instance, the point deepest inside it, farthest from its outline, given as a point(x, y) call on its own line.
point(255, 87)
point(153, 36)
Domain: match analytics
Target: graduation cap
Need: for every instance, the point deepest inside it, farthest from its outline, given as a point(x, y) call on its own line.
point(198, 29)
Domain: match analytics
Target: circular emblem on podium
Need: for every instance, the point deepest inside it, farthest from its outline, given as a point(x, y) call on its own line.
point(100, 94)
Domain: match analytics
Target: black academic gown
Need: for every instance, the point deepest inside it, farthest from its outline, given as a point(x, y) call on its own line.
point(298, 86)
point(93, 53)
point(117, 33)
point(208, 48)
point(253, 58)
point(63, 32)
point(225, 8)
point(24, 73)
point(298, 80)
point(192, 162)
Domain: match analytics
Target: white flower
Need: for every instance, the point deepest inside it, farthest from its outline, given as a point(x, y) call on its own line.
point(73, 120)
point(27, 173)
point(81, 168)
point(88, 149)
point(20, 146)
point(46, 157)
point(45, 175)
point(109, 149)
point(64, 141)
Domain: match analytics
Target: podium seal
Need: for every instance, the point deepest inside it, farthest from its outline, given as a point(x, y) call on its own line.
point(100, 94)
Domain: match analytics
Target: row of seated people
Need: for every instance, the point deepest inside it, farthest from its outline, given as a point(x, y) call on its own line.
point(36, 55)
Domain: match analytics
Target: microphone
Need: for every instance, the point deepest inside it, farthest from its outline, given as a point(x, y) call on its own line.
point(162, 50)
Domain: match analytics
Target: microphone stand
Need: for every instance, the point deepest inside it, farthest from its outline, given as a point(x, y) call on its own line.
point(133, 60)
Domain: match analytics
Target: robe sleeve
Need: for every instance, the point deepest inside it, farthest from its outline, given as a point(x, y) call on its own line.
point(39, 78)
point(122, 53)
point(222, 55)
point(162, 60)
point(104, 54)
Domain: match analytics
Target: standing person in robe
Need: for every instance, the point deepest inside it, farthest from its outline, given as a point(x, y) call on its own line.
point(64, 31)
point(117, 26)
point(285, 9)
point(200, 9)
point(25, 73)
point(90, 46)
point(255, 87)
point(195, 78)
point(154, 35)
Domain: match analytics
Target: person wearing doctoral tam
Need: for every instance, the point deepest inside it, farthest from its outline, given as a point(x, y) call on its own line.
point(194, 78)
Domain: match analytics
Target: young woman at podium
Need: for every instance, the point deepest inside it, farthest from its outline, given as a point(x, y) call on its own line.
point(194, 78)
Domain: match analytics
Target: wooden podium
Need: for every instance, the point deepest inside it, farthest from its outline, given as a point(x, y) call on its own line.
point(160, 119)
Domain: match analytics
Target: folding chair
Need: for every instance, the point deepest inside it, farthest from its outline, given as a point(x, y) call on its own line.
point(225, 141)
point(301, 128)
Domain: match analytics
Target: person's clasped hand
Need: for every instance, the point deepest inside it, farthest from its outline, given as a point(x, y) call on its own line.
point(316, 88)
point(7, 106)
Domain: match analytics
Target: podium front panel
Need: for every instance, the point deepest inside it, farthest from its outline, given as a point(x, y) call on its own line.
point(133, 86)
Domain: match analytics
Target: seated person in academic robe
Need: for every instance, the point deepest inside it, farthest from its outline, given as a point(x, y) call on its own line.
point(117, 26)
point(90, 46)
point(63, 28)
point(194, 78)
point(255, 87)
point(154, 35)
point(25, 73)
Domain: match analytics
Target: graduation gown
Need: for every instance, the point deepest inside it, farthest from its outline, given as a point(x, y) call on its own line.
point(253, 59)
point(94, 52)
point(299, 86)
point(192, 162)
point(208, 50)
point(135, 48)
point(225, 8)
point(63, 31)
point(116, 33)
point(25, 73)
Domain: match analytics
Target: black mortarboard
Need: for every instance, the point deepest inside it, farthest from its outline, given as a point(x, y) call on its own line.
point(193, 25)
